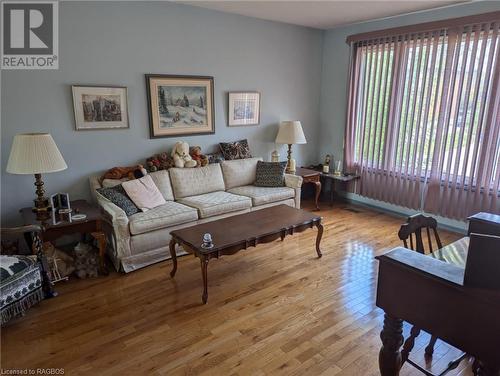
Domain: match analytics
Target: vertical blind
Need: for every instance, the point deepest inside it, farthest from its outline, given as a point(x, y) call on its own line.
point(423, 119)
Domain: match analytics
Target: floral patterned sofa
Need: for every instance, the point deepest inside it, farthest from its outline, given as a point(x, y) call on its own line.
point(194, 195)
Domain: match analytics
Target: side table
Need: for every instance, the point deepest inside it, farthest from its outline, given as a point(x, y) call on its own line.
point(93, 224)
point(341, 179)
point(312, 177)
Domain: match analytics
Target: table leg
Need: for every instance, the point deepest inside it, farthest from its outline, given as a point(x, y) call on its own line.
point(318, 192)
point(332, 191)
point(409, 344)
point(174, 257)
point(204, 272)
point(101, 243)
point(389, 358)
point(318, 238)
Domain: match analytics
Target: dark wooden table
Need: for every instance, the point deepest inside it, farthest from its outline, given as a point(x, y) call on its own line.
point(337, 179)
point(429, 293)
point(233, 234)
point(311, 177)
point(94, 225)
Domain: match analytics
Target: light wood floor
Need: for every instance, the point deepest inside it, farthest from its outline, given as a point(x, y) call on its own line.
point(272, 310)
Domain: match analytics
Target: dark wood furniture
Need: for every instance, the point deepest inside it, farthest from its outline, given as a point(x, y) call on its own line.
point(429, 293)
point(411, 235)
point(484, 223)
point(94, 224)
point(233, 234)
point(337, 182)
point(412, 229)
point(311, 177)
point(33, 232)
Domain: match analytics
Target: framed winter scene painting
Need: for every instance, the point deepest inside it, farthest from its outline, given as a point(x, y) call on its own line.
point(244, 108)
point(180, 105)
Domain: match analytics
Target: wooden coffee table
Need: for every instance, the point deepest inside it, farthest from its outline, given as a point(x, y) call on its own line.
point(232, 234)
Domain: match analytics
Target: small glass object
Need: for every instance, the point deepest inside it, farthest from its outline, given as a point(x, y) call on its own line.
point(338, 168)
point(207, 241)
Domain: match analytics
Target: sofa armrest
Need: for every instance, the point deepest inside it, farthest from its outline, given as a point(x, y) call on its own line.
point(293, 181)
point(117, 218)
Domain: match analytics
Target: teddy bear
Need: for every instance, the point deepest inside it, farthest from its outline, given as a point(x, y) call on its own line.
point(86, 261)
point(133, 172)
point(181, 156)
point(201, 159)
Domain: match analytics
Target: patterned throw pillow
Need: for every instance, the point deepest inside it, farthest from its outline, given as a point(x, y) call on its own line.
point(119, 197)
point(270, 174)
point(215, 157)
point(235, 150)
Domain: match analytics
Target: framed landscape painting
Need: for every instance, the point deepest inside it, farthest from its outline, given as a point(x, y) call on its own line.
point(100, 107)
point(244, 108)
point(180, 105)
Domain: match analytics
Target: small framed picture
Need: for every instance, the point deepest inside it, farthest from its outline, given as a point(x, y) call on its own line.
point(100, 107)
point(61, 208)
point(244, 108)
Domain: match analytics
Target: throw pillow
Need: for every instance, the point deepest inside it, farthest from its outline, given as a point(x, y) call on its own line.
point(235, 150)
point(270, 174)
point(118, 196)
point(215, 157)
point(144, 193)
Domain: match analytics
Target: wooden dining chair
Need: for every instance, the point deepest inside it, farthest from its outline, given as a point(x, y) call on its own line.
point(412, 234)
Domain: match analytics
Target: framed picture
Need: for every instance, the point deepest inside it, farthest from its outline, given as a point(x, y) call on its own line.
point(180, 105)
point(244, 108)
point(100, 107)
point(60, 206)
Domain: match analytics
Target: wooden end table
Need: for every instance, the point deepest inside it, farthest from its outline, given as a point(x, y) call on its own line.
point(340, 179)
point(94, 225)
point(311, 177)
point(232, 234)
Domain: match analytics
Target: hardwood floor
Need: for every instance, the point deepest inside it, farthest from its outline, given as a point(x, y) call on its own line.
point(273, 310)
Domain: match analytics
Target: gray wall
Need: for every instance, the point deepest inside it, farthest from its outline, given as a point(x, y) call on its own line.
point(336, 63)
point(116, 43)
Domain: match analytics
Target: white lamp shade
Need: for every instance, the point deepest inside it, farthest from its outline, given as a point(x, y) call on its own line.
point(35, 153)
point(290, 132)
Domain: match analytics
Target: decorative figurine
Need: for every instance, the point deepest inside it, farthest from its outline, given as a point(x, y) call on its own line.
point(338, 168)
point(207, 241)
point(275, 156)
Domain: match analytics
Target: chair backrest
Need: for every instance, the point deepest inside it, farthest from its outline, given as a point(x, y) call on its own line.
point(411, 233)
point(32, 231)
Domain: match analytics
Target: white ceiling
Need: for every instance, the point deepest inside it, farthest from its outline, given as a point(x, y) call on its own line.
point(324, 14)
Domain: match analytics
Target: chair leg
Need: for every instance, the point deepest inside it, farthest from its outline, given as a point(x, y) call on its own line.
point(429, 350)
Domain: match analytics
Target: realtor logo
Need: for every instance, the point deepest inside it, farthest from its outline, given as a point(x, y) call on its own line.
point(29, 35)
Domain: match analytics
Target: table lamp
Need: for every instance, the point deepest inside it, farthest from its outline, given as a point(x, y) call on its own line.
point(290, 132)
point(36, 153)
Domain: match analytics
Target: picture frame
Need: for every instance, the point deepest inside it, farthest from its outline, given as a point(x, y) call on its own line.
point(99, 107)
point(180, 105)
point(244, 108)
point(61, 207)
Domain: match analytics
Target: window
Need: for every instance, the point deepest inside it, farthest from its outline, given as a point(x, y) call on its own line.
point(424, 118)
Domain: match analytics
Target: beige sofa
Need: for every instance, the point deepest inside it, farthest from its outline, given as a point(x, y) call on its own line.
point(194, 195)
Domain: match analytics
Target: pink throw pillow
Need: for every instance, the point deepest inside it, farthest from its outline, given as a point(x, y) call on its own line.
point(144, 193)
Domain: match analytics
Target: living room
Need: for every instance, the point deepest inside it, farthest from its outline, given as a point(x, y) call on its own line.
point(250, 187)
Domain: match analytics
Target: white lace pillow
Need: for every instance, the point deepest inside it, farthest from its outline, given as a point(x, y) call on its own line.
point(144, 193)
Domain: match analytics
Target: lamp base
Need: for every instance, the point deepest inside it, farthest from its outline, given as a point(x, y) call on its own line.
point(42, 207)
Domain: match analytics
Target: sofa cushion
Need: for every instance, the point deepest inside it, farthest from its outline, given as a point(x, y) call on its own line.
point(196, 181)
point(169, 214)
point(270, 174)
point(235, 150)
point(119, 197)
point(162, 181)
point(264, 195)
point(144, 193)
point(215, 203)
point(238, 172)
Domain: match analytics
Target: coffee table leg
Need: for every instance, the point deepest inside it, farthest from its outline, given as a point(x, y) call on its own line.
point(318, 238)
point(204, 273)
point(174, 257)
point(318, 191)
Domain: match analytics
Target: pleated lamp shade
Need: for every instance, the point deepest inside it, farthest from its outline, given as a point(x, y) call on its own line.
point(290, 132)
point(35, 153)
